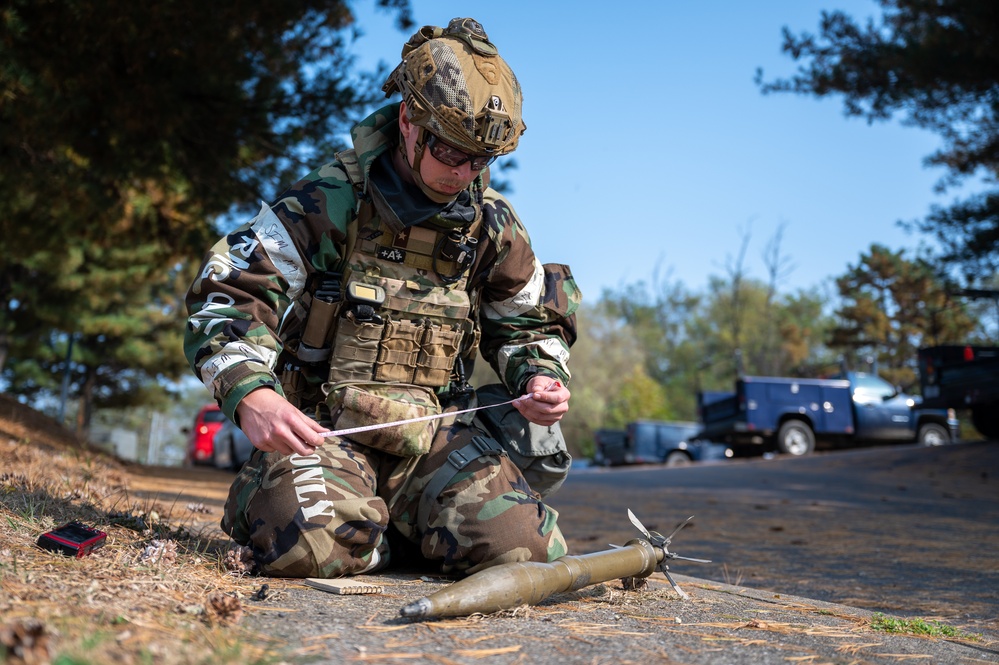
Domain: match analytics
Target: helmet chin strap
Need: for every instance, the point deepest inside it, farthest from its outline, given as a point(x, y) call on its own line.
point(414, 168)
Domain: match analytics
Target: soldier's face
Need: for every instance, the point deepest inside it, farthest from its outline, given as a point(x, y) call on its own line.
point(444, 179)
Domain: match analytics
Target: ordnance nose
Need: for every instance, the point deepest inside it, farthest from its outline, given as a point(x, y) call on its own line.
point(420, 608)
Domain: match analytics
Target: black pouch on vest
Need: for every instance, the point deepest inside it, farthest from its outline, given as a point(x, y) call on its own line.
point(540, 452)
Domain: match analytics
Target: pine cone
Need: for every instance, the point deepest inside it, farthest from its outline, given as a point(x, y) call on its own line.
point(239, 559)
point(25, 642)
point(160, 551)
point(223, 609)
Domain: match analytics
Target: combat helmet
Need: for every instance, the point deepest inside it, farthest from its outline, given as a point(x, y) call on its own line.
point(456, 86)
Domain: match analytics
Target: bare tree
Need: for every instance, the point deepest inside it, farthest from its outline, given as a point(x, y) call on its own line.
point(779, 267)
point(737, 273)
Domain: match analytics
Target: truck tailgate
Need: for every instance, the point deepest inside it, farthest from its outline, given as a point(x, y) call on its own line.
point(718, 412)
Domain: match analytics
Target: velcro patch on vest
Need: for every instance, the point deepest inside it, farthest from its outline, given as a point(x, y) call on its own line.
point(393, 254)
point(416, 239)
point(413, 247)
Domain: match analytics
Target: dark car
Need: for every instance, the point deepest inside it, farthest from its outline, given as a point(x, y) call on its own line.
point(200, 448)
point(672, 443)
point(609, 447)
point(231, 447)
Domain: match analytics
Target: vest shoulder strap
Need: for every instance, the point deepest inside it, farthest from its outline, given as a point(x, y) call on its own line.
point(351, 166)
point(348, 159)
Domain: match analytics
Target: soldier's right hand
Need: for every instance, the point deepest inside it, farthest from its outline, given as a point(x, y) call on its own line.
point(273, 425)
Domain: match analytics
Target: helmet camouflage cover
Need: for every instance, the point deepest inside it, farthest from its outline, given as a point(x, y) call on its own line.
point(456, 86)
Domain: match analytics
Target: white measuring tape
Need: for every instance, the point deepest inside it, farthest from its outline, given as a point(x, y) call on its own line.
point(436, 416)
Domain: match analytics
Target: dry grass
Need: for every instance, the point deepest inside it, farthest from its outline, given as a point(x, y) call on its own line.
point(163, 589)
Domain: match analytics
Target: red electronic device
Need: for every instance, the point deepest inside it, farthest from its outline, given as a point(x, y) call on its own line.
point(72, 539)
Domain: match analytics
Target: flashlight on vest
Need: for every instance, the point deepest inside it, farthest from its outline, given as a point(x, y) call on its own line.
point(459, 248)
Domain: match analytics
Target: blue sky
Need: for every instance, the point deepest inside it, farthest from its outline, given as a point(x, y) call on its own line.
point(649, 148)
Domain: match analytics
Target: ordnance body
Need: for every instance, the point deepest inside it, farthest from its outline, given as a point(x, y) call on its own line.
point(511, 585)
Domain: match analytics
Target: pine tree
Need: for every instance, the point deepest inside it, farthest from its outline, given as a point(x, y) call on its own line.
point(935, 64)
point(128, 129)
point(890, 307)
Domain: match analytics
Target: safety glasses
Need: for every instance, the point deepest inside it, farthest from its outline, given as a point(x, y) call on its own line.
point(451, 156)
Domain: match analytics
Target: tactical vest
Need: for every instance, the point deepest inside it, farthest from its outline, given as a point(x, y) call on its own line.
point(405, 313)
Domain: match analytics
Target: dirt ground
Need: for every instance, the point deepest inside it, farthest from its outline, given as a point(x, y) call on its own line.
point(120, 605)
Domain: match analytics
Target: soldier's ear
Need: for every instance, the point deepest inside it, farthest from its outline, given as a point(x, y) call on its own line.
point(406, 127)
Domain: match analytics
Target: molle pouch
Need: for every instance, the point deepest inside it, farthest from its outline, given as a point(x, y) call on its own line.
point(400, 346)
point(293, 383)
point(540, 452)
point(355, 349)
point(362, 404)
point(314, 346)
point(438, 351)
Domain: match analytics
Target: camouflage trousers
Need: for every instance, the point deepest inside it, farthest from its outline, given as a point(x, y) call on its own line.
point(326, 514)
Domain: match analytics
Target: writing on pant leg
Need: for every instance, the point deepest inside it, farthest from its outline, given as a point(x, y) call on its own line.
point(305, 475)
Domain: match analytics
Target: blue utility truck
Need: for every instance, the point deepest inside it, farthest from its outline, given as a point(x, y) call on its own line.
point(789, 415)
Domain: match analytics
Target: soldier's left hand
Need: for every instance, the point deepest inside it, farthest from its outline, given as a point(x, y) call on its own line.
point(546, 402)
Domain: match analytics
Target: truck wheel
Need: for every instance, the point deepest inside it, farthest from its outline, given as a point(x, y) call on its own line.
point(795, 438)
point(932, 434)
point(677, 458)
point(986, 420)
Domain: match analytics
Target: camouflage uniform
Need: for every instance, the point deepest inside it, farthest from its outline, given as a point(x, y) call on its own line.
point(327, 514)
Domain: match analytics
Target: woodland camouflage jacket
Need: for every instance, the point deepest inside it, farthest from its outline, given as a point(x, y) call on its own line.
point(254, 287)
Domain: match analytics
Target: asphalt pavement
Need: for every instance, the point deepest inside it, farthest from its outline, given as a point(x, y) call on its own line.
point(809, 557)
point(906, 530)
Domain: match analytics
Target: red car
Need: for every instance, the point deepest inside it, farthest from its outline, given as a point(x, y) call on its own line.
point(200, 449)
